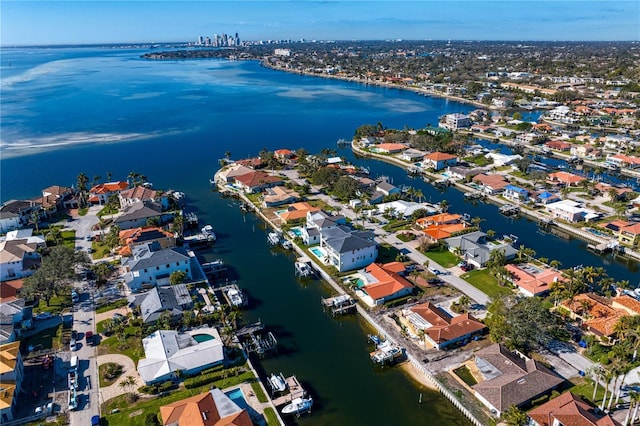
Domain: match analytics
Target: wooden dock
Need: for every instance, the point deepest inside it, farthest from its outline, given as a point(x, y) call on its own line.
point(256, 339)
point(295, 391)
point(509, 209)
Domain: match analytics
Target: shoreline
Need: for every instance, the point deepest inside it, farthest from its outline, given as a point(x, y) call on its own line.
point(417, 90)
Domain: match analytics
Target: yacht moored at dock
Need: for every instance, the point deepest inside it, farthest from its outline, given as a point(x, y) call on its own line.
point(341, 304)
point(235, 297)
point(386, 352)
point(274, 238)
point(298, 406)
point(277, 383)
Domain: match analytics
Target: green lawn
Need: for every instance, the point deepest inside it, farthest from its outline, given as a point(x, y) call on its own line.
point(104, 382)
point(466, 376)
point(271, 416)
point(130, 413)
point(48, 338)
point(443, 257)
point(584, 387)
point(131, 346)
point(484, 281)
point(257, 389)
point(387, 253)
point(113, 305)
point(596, 351)
point(56, 304)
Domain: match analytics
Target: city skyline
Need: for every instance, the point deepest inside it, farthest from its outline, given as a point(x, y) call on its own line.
point(88, 22)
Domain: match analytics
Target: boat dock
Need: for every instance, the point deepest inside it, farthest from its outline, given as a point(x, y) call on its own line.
point(233, 295)
point(303, 267)
point(475, 195)
point(338, 305)
point(386, 353)
point(216, 269)
point(295, 391)
point(509, 209)
point(274, 238)
point(255, 339)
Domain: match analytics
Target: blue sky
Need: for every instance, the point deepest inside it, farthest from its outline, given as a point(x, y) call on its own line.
point(25, 22)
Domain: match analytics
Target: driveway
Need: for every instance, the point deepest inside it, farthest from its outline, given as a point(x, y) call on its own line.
point(128, 369)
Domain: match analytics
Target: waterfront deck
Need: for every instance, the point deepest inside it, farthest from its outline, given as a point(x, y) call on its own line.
point(255, 339)
point(295, 391)
point(338, 305)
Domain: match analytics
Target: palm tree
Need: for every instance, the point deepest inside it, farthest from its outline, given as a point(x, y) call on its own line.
point(82, 181)
point(613, 193)
point(444, 206)
point(129, 385)
point(418, 194)
point(35, 218)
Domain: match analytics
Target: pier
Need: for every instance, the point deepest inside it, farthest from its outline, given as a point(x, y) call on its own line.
point(216, 268)
point(295, 391)
point(303, 267)
point(509, 210)
point(255, 339)
point(338, 305)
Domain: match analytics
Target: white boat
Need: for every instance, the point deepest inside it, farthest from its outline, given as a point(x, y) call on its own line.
point(277, 382)
point(273, 238)
point(236, 297)
point(73, 400)
point(386, 351)
point(298, 405)
point(207, 231)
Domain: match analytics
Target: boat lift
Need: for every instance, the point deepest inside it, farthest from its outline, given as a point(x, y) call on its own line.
point(255, 339)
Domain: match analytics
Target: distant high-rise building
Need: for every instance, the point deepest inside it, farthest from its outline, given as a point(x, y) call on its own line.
point(207, 41)
point(200, 40)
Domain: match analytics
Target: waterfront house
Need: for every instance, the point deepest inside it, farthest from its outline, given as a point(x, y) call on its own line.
point(389, 148)
point(500, 160)
point(463, 172)
point(173, 299)
point(140, 214)
point(490, 183)
point(571, 211)
point(533, 280)
point(256, 181)
point(135, 195)
point(285, 156)
point(583, 151)
point(57, 197)
point(384, 282)
point(476, 249)
point(402, 208)
point(279, 195)
point(347, 249)
point(228, 174)
point(515, 193)
point(101, 193)
point(253, 163)
point(22, 208)
point(569, 409)
point(11, 374)
point(412, 155)
point(564, 179)
point(151, 265)
point(387, 189)
point(508, 378)
point(316, 222)
point(622, 160)
point(528, 138)
point(439, 160)
point(212, 408)
point(558, 145)
point(19, 257)
point(455, 121)
point(130, 238)
point(169, 352)
point(438, 329)
point(630, 234)
point(296, 212)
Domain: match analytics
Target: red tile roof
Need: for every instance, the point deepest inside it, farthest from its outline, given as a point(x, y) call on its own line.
point(569, 409)
point(444, 328)
point(439, 156)
point(389, 282)
point(9, 290)
point(139, 193)
point(256, 179)
point(566, 178)
point(200, 410)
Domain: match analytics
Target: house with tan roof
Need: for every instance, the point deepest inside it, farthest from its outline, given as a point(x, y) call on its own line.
point(130, 238)
point(11, 374)
point(630, 234)
point(508, 378)
point(56, 197)
point(101, 193)
point(628, 161)
point(598, 314)
point(441, 226)
point(490, 183)
point(213, 408)
point(383, 282)
point(138, 194)
point(389, 148)
point(438, 328)
point(140, 213)
point(569, 409)
point(558, 145)
point(279, 195)
point(285, 156)
point(564, 179)
point(297, 211)
point(439, 160)
point(19, 258)
point(533, 280)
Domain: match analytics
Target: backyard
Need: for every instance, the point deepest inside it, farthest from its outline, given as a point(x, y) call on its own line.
point(443, 257)
point(485, 282)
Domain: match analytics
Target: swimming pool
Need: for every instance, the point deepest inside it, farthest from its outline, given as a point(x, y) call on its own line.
point(297, 231)
point(237, 396)
point(202, 337)
point(318, 252)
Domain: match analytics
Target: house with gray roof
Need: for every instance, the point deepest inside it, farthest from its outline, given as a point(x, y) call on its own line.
point(139, 213)
point(168, 351)
point(174, 299)
point(151, 265)
point(348, 249)
point(475, 248)
point(22, 208)
point(508, 378)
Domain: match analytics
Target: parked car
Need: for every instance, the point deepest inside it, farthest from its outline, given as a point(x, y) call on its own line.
point(434, 271)
point(44, 315)
point(434, 281)
point(73, 345)
point(95, 421)
point(467, 267)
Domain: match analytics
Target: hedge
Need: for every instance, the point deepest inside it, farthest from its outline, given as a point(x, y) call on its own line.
point(205, 379)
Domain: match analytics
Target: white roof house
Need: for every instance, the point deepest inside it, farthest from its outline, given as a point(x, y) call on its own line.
point(404, 208)
point(167, 351)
